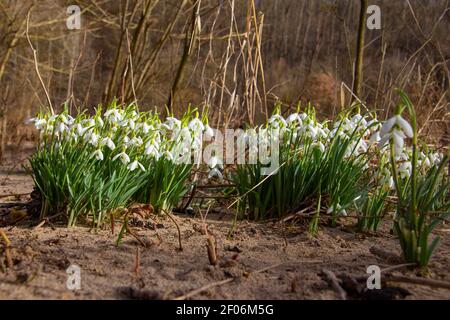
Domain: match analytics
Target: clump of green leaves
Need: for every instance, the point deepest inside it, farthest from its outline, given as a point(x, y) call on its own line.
point(315, 162)
point(89, 166)
point(422, 198)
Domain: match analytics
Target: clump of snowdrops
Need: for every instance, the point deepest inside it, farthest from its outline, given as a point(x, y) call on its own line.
point(422, 193)
point(344, 165)
point(317, 159)
point(90, 166)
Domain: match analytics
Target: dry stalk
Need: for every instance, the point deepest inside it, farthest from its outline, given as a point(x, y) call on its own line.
point(7, 249)
point(49, 101)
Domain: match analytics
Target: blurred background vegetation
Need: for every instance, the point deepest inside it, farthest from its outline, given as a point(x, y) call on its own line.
point(236, 57)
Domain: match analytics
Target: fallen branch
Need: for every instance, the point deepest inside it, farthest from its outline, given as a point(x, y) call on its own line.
point(47, 220)
point(404, 279)
point(334, 282)
point(400, 266)
point(416, 280)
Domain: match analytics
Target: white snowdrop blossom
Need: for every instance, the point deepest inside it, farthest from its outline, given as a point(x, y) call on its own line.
point(209, 132)
point(196, 125)
point(215, 173)
point(98, 154)
point(123, 157)
point(215, 162)
point(337, 209)
point(134, 165)
point(405, 170)
point(295, 117)
point(108, 142)
point(395, 129)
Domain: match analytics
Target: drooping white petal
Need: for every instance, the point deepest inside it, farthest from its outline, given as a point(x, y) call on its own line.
point(387, 126)
point(407, 129)
point(209, 132)
point(375, 137)
point(215, 173)
point(109, 143)
point(133, 165)
point(123, 157)
point(98, 154)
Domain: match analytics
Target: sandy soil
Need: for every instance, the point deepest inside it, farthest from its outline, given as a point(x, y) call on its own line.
point(294, 260)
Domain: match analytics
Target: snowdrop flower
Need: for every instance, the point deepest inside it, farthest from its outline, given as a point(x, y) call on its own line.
point(384, 175)
point(209, 132)
point(311, 131)
point(391, 183)
point(397, 129)
point(375, 138)
point(435, 158)
point(398, 121)
point(168, 155)
point(108, 142)
point(151, 150)
point(321, 146)
point(214, 162)
point(423, 160)
point(123, 157)
point(100, 122)
point(93, 139)
point(398, 138)
point(359, 120)
point(294, 117)
point(405, 170)
point(337, 208)
point(134, 165)
point(135, 141)
point(80, 130)
point(63, 119)
point(98, 154)
point(197, 143)
point(215, 173)
point(303, 116)
point(196, 125)
point(145, 127)
point(61, 127)
point(89, 122)
point(320, 132)
point(373, 125)
point(172, 123)
point(40, 123)
point(133, 115)
point(276, 120)
point(113, 115)
point(361, 146)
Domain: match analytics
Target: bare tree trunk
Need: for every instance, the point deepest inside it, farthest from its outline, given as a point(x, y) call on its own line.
point(360, 49)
